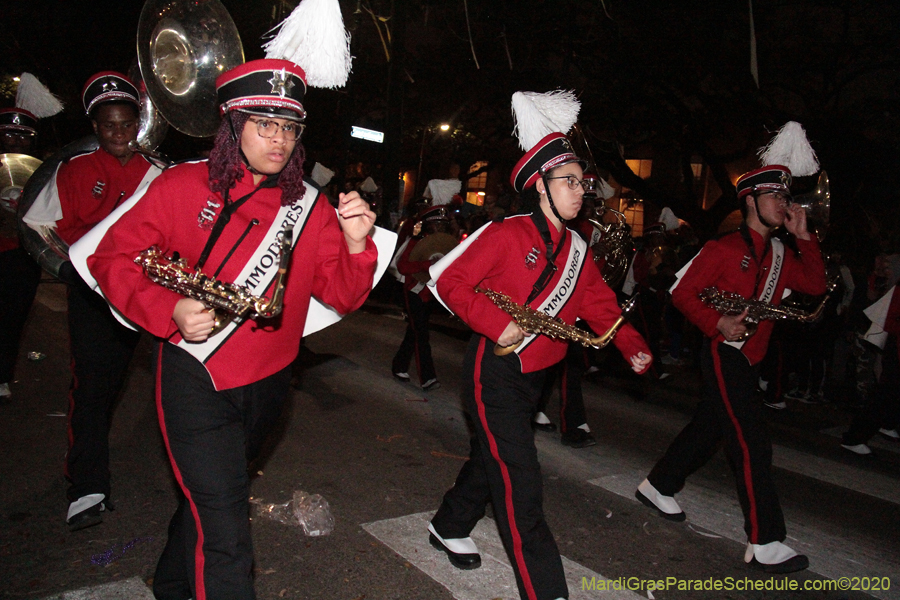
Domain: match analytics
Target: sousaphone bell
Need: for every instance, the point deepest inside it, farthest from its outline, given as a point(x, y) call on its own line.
point(817, 205)
point(183, 46)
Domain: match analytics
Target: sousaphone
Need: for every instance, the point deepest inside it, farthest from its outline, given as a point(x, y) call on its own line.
point(183, 46)
point(817, 205)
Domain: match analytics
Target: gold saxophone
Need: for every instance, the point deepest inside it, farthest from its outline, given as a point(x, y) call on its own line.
point(534, 322)
point(230, 301)
point(730, 303)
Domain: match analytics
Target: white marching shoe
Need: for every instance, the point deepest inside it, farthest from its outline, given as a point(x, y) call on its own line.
point(665, 505)
point(462, 552)
point(774, 557)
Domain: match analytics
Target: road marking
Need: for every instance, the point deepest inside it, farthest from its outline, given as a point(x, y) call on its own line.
point(129, 589)
point(669, 423)
point(408, 537)
point(846, 476)
point(876, 441)
point(830, 556)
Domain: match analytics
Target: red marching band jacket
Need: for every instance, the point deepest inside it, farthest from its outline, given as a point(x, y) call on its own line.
point(507, 257)
point(727, 265)
point(408, 268)
point(91, 186)
point(173, 215)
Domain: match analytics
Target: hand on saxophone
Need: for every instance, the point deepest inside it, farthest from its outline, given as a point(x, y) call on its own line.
point(194, 320)
point(732, 327)
point(513, 334)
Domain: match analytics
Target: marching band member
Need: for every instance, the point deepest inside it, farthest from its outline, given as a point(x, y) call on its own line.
point(19, 274)
point(752, 263)
point(418, 302)
point(536, 261)
point(218, 397)
point(84, 191)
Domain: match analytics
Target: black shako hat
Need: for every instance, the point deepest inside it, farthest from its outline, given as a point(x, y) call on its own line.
point(266, 87)
point(772, 178)
point(433, 214)
point(18, 119)
point(109, 86)
point(552, 151)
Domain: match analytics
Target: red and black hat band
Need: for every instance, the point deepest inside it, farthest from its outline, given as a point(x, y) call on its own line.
point(277, 89)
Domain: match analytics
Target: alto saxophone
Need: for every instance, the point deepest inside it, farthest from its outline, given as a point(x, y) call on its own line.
point(534, 322)
point(730, 303)
point(230, 301)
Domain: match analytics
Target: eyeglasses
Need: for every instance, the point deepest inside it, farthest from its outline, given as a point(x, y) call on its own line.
point(573, 182)
point(779, 197)
point(268, 129)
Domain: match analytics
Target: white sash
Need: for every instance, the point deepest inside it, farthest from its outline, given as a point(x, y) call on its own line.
point(768, 291)
point(319, 316)
point(563, 290)
point(261, 268)
point(554, 302)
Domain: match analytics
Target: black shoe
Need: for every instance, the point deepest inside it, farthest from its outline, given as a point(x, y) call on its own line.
point(791, 565)
point(548, 427)
point(460, 561)
point(578, 438)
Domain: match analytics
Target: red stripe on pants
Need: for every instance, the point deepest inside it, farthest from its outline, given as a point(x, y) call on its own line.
point(510, 511)
point(199, 562)
point(748, 476)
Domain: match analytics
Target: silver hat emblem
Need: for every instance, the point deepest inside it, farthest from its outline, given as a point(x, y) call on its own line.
point(281, 83)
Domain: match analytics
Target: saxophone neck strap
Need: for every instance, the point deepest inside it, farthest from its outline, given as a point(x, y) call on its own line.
point(225, 216)
point(540, 221)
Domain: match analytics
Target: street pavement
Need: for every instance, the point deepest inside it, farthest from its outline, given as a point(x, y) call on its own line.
point(382, 453)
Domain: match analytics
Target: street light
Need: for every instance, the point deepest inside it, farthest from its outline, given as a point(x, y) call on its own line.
point(442, 127)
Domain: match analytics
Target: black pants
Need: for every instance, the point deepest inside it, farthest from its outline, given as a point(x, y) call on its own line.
point(503, 469)
point(571, 399)
point(210, 437)
point(728, 413)
point(19, 278)
point(649, 324)
point(882, 409)
point(101, 350)
point(415, 342)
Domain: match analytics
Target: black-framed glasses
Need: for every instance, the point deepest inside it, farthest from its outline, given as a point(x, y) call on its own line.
point(573, 182)
point(780, 197)
point(268, 129)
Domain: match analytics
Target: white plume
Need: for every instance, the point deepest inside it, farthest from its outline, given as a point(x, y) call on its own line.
point(604, 190)
point(313, 37)
point(790, 148)
point(321, 174)
point(537, 115)
point(33, 96)
point(441, 191)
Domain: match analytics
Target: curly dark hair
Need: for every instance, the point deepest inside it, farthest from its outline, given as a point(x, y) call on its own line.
point(226, 161)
